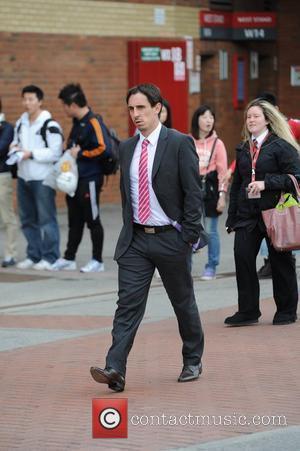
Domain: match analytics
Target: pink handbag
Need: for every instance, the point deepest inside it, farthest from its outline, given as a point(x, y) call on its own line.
point(283, 221)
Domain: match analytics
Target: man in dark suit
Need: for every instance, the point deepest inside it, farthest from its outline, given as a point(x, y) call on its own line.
point(160, 191)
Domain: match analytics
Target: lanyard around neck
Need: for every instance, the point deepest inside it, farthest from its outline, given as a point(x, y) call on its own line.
point(254, 154)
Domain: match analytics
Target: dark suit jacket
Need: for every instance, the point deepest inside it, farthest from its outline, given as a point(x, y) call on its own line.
point(277, 158)
point(175, 181)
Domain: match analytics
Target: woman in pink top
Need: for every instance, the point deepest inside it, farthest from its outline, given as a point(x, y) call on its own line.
point(206, 141)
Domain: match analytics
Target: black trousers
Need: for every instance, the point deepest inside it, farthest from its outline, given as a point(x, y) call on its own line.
point(284, 278)
point(172, 256)
point(83, 209)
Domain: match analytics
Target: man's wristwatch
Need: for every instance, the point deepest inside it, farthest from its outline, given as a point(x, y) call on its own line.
point(221, 193)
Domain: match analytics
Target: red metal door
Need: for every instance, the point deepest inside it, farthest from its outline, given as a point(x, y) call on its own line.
point(163, 64)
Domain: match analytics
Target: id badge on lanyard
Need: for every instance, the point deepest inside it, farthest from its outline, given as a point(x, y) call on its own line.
point(254, 153)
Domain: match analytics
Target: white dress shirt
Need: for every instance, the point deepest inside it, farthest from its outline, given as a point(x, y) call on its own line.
point(260, 138)
point(157, 216)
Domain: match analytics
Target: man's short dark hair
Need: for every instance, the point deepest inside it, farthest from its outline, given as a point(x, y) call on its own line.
point(73, 93)
point(32, 89)
point(152, 93)
point(268, 97)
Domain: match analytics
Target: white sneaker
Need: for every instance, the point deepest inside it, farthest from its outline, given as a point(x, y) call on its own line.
point(25, 264)
point(208, 274)
point(64, 265)
point(42, 265)
point(93, 266)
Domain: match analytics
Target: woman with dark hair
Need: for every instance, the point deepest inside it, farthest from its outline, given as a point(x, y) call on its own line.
point(165, 116)
point(212, 159)
point(264, 159)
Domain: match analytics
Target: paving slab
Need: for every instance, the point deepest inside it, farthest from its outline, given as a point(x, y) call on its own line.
point(249, 384)
point(275, 440)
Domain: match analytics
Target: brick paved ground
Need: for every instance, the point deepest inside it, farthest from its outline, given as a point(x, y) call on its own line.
point(47, 392)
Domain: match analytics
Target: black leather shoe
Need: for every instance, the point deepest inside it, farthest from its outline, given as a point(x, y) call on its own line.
point(190, 373)
point(281, 321)
point(239, 319)
point(109, 376)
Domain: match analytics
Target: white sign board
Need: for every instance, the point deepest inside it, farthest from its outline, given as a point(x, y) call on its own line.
point(194, 82)
point(179, 71)
point(189, 53)
point(295, 75)
point(159, 16)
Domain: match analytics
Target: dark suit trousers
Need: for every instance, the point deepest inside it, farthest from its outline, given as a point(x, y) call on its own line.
point(285, 290)
point(172, 256)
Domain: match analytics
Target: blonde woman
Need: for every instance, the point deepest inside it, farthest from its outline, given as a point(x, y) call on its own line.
point(267, 154)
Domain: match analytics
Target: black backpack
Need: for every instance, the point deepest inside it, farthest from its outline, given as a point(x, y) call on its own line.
point(14, 167)
point(110, 165)
point(43, 130)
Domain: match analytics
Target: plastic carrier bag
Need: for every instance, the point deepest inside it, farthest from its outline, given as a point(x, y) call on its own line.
point(64, 175)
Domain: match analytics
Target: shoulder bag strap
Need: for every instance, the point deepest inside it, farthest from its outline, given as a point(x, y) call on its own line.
point(296, 185)
point(210, 157)
point(212, 151)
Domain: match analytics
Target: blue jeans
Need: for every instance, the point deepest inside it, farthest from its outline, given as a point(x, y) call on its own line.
point(264, 252)
point(211, 226)
point(37, 212)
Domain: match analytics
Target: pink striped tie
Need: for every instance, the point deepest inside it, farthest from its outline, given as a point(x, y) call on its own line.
point(144, 197)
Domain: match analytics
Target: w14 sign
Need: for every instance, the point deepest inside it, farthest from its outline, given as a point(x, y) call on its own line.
point(237, 26)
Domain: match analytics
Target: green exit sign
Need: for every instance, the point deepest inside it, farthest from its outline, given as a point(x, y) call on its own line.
point(150, 53)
